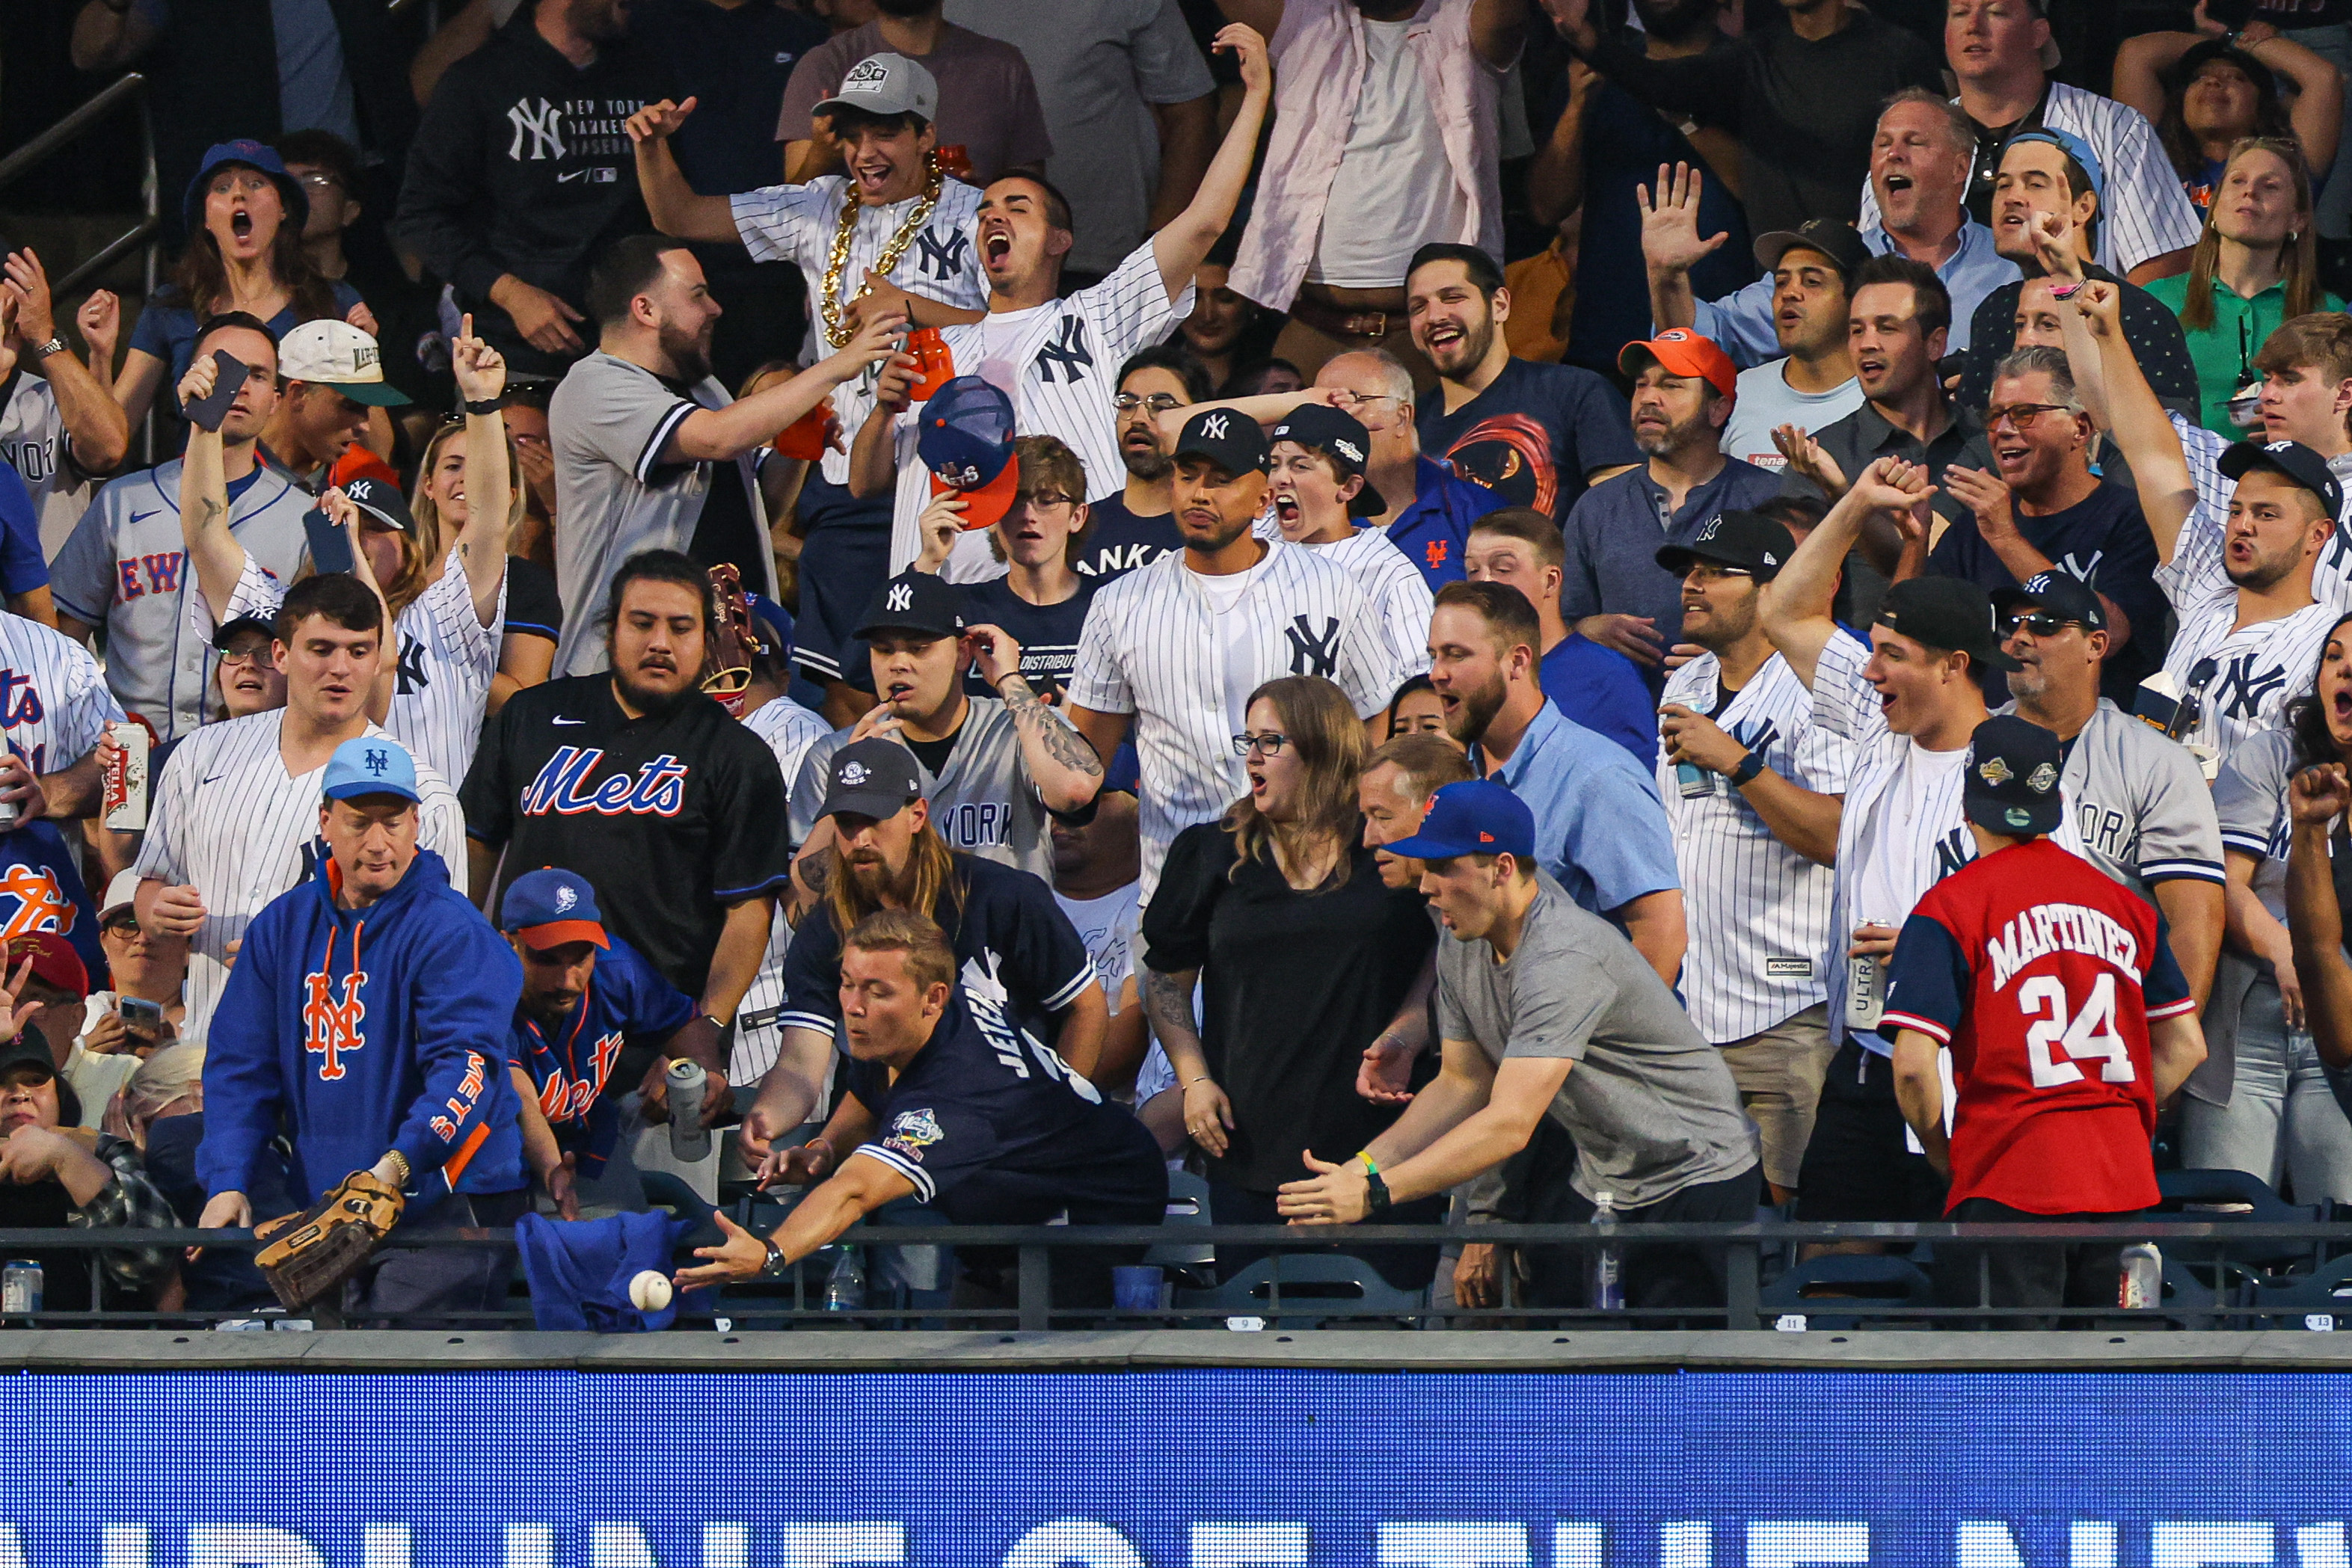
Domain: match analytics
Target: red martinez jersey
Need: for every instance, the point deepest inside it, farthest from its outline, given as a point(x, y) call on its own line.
point(2040, 974)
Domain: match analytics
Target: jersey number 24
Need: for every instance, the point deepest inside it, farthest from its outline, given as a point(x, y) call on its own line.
point(2086, 1036)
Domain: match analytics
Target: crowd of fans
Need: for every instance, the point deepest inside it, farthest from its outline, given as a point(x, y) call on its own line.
point(1389, 601)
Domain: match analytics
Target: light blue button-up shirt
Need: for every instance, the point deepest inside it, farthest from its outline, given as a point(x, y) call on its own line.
point(1600, 827)
point(1742, 322)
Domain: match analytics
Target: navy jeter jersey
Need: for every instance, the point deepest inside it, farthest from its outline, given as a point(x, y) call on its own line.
point(1015, 949)
point(993, 1127)
point(572, 1060)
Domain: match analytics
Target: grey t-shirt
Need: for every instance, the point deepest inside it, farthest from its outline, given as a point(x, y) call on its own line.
point(1651, 1105)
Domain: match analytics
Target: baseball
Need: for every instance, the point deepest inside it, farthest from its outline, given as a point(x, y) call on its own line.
point(649, 1291)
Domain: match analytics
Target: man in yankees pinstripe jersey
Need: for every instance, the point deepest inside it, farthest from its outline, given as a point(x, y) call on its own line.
point(1175, 649)
point(1754, 788)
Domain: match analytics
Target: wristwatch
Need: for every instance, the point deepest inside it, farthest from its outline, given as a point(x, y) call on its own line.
point(1376, 1193)
point(772, 1265)
point(56, 345)
point(1745, 774)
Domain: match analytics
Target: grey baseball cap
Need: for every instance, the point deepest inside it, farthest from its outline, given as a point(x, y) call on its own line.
point(887, 84)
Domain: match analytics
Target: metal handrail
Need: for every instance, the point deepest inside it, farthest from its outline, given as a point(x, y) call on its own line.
point(128, 86)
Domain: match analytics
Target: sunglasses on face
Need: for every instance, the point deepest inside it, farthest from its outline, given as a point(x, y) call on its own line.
point(2041, 623)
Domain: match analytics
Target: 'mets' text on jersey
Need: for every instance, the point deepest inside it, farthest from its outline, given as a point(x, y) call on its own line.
point(2041, 974)
point(672, 816)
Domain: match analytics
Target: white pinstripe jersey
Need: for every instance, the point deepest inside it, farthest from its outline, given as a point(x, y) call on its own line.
point(125, 568)
point(1399, 594)
point(33, 441)
point(1759, 911)
point(2145, 213)
point(797, 222)
point(2199, 570)
point(1156, 646)
point(789, 730)
point(1060, 361)
point(231, 822)
point(446, 657)
point(1902, 832)
point(54, 704)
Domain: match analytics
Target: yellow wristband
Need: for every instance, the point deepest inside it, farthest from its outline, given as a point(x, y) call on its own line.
point(1370, 1168)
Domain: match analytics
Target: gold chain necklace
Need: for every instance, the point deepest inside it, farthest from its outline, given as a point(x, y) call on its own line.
point(829, 300)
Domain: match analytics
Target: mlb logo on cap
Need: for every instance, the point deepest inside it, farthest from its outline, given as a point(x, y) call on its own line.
point(966, 441)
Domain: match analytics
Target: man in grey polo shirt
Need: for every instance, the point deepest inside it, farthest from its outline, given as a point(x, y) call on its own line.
point(1546, 1009)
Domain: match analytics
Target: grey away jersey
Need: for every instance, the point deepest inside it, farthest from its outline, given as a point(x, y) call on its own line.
point(617, 496)
point(789, 730)
point(983, 802)
point(231, 822)
point(1758, 911)
point(1156, 646)
point(797, 223)
point(33, 441)
point(125, 568)
point(2137, 804)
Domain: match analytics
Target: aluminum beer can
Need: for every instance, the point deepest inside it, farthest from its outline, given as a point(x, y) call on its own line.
point(125, 778)
point(1865, 992)
point(688, 1139)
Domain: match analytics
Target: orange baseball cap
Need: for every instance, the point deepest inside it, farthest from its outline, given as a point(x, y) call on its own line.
point(966, 441)
point(1684, 353)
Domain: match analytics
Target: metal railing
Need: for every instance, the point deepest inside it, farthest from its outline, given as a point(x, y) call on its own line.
point(2218, 1274)
point(129, 89)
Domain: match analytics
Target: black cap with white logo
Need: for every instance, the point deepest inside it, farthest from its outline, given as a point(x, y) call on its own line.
point(1231, 441)
point(2059, 593)
point(1945, 612)
point(1341, 437)
point(2010, 786)
point(1747, 541)
point(874, 778)
point(2297, 463)
point(918, 601)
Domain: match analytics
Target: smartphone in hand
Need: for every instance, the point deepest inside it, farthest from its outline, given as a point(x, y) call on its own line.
point(207, 412)
point(331, 547)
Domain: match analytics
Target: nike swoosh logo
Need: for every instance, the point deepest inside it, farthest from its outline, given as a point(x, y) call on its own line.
point(214, 779)
point(575, 175)
point(568, 721)
point(152, 511)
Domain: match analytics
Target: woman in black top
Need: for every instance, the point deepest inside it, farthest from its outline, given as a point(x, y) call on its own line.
point(1305, 958)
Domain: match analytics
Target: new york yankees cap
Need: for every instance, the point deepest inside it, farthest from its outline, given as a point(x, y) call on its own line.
point(1231, 441)
point(1340, 436)
point(1946, 613)
point(917, 601)
point(964, 436)
point(887, 84)
point(1476, 817)
point(2010, 784)
point(370, 764)
point(874, 778)
point(1750, 541)
point(2061, 593)
point(2293, 459)
point(338, 355)
point(551, 906)
point(382, 500)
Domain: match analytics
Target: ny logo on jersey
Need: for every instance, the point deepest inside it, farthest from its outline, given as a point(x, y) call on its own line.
point(2336, 559)
point(942, 259)
point(331, 1028)
point(1069, 353)
point(413, 678)
point(20, 700)
point(1311, 655)
point(1435, 553)
point(41, 902)
point(2241, 692)
point(1953, 851)
point(1757, 737)
point(657, 789)
point(2081, 571)
point(162, 574)
point(544, 125)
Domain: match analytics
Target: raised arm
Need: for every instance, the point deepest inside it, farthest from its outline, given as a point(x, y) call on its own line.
point(213, 551)
point(722, 434)
point(2168, 491)
point(98, 429)
point(481, 373)
point(1670, 245)
point(1181, 247)
point(1797, 604)
point(1060, 763)
point(2317, 797)
point(675, 207)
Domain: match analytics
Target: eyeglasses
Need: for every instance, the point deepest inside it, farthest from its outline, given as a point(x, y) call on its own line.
point(1158, 403)
point(250, 656)
point(122, 926)
point(319, 182)
point(2020, 414)
point(1047, 498)
point(1358, 399)
point(2041, 623)
point(1270, 744)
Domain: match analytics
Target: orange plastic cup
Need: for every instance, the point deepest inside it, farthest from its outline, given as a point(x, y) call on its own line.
point(936, 364)
point(804, 438)
point(955, 161)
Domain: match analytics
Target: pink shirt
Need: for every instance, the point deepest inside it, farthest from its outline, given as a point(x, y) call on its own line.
point(1318, 73)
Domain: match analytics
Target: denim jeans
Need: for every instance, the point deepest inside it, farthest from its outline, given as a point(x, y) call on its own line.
point(2281, 1118)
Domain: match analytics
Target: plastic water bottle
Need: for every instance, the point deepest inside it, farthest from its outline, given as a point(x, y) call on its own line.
point(1608, 1267)
point(2140, 1286)
point(688, 1138)
point(844, 1288)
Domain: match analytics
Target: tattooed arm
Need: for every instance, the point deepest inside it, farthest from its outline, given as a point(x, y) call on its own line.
point(1060, 762)
point(215, 557)
point(1168, 997)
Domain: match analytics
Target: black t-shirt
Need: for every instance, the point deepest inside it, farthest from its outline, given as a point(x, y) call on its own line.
point(671, 816)
point(1534, 433)
point(1048, 633)
point(1121, 541)
point(2149, 326)
point(1296, 984)
point(735, 62)
point(534, 608)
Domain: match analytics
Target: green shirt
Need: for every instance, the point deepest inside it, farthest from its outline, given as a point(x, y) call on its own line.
point(2224, 352)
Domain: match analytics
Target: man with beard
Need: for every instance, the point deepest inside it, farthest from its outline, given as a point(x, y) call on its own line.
point(1174, 649)
point(1753, 788)
point(672, 804)
point(1427, 508)
point(1535, 434)
point(1600, 832)
point(641, 426)
point(1013, 947)
point(1813, 382)
point(2043, 509)
point(1613, 589)
point(1136, 524)
point(2137, 805)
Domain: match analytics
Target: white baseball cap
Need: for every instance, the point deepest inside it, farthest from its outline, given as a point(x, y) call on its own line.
point(119, 894)
point(887, 84)
point(338, 355)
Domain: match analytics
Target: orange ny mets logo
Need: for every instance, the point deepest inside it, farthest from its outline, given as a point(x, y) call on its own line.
point(41, 903)
point(1434, 552)
point(332, 1027)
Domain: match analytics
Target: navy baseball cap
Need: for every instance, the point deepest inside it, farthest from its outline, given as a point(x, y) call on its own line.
point(1947, 613)
point(550, 907)
point(252, 154)
point(874, 778)
point(965, 439)
point(1841, 242)
point(918, 601)
point(2010, 787)
point(1231, 441)
point(228, 632)
point(1341, 437)
point(2060, 593)
point(370, 764)
point(2293, 459)
point(1749, 541)
point(1476, 817)
point(380, 500)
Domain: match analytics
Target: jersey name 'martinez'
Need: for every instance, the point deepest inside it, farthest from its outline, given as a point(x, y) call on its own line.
point(657, 789)
point(2061, 927)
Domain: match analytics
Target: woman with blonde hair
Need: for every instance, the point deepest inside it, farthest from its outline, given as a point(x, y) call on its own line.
point(1303, 957)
